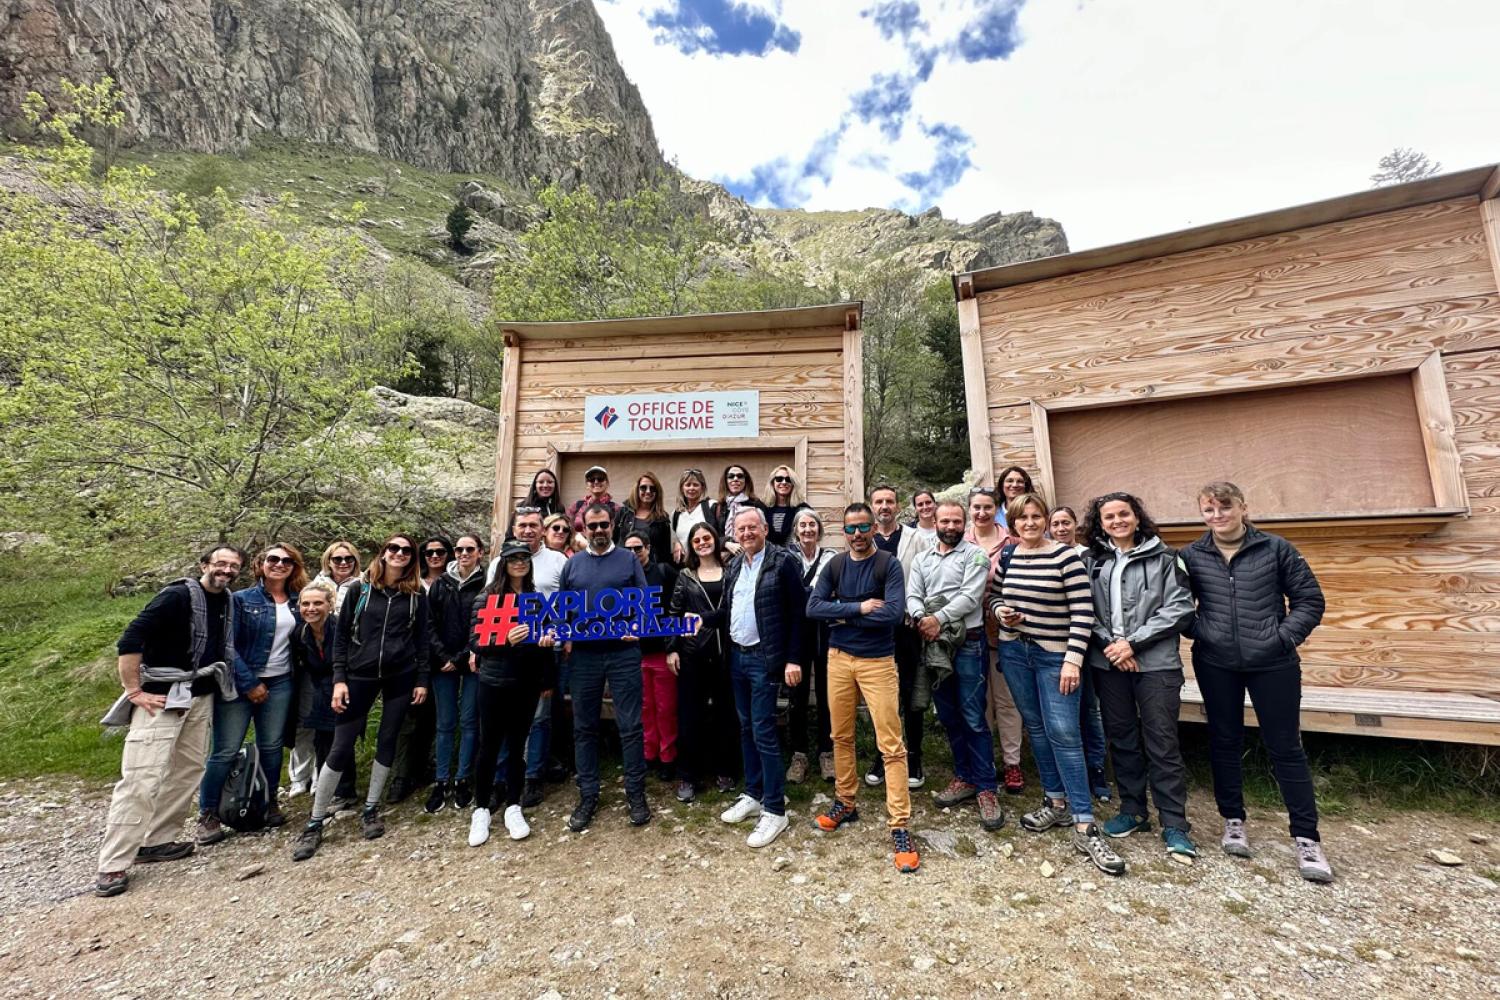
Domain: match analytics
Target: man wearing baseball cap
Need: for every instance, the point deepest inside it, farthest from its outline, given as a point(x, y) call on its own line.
point(598, 492)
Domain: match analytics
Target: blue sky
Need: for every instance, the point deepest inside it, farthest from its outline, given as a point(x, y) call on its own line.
point(1119, 118)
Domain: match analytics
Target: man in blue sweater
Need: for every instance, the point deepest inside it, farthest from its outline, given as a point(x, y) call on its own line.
point(603, 566)
point(862, 593)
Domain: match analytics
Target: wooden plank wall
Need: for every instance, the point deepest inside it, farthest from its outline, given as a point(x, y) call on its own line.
point(800, 375)
point(1376, 294)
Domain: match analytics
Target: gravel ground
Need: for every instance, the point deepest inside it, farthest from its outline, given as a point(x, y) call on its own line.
point(683, 909)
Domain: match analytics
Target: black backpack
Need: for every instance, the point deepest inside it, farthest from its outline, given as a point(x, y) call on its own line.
point(247, 794)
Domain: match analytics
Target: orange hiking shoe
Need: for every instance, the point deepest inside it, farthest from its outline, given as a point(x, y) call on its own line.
point(837, 815)
point(906, 852)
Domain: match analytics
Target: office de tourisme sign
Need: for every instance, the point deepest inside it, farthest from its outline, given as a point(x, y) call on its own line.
point(662, 416)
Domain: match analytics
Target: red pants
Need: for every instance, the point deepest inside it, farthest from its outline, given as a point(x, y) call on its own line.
point(659, 708)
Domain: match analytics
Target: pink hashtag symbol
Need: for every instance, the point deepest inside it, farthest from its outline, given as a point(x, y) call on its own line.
point(496, 619)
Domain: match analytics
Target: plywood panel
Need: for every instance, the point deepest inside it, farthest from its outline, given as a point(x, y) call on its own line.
point(539, 372)
point(1343, 446)
point(705, 379)
point(684, 347)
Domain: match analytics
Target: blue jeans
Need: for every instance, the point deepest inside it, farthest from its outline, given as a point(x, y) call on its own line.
point(960, 702)
point(622, 669)
point(755, 691)
point(231, 722)
point(456, 700)
point(1051, 719)
point(1092, 722)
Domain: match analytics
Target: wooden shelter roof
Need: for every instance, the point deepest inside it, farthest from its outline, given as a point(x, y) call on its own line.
point(845, 315)
point(1481, 182)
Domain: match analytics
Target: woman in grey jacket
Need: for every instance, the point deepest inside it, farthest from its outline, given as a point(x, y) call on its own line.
point(1142, 606)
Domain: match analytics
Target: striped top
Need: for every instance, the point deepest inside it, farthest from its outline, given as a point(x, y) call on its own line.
point(1050, 588)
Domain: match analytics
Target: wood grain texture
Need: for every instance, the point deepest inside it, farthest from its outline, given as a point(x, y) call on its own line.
point(1435, 419)
point(506, 439)
point(854, 414)
point(1489, 216)
point(637, 348)
point(976, 396)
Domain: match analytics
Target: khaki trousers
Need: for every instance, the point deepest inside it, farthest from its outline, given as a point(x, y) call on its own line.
point(1002, 715)
point(159, 771)
point(849, 679)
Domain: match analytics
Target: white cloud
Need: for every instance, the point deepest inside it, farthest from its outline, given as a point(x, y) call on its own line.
point(1118, 119)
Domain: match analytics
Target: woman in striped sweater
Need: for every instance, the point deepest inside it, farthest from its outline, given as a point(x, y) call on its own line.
point(1040, 596)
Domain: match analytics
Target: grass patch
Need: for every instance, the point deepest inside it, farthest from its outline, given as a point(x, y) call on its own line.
point(1237, 907)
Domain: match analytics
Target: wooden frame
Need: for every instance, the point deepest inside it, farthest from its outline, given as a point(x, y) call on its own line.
point(796, 444)
point(505, 437)
point(981, 457)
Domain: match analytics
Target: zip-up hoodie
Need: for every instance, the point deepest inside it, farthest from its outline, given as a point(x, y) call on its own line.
point(1140, 595)
point(449, 601)
point(388, 637)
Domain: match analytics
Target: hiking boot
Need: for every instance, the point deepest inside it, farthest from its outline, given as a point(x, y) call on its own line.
point(1178, 842)
point(743, 808)
point(515, 823)
point(371, 823)
point(1311, 864)
point(1047, 817)
point(297, 788)
point(767, 829)
point(876, 775)
point(1099, 784)
point(957, 792)
point(479, 827)
point(724, 783)
point(1091, 842)
point(583, 813)
point(437, 797)
point(991, 815)
point(175, 851)
point(906, 852)
point(463, 793)
point(1013, 780)
point(308, 841)
point(1235, 841)
point(275, 817)
point(837, 815)
point(531, 793)
point(915, 776)
point(686, 792)
point(555, 772)
point(640, 812)
point(825, 765)
point(210, 830)
point(111, 883)
point(796, 771)
point(1122, 825)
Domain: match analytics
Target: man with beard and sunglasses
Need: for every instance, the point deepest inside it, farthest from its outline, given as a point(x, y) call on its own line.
point(600, 567)
point(174, 657)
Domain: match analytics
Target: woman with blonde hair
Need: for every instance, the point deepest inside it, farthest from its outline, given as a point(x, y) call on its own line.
point(694, 507)
point(786, 500)
point(380, 651)
point(340, 564)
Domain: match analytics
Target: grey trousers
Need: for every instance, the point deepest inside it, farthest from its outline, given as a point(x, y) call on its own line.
point(1140, 722)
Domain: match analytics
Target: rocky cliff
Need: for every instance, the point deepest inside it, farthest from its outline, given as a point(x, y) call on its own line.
point(514, 88)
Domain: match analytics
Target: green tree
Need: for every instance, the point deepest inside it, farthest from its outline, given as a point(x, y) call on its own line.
point(165, 384)
point(897, 368)
point(458, 223)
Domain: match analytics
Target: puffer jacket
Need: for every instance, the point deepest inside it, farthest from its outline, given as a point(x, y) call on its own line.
point(780, 607)
point(450, 600)
point(1255, 610)
point(1156, 603)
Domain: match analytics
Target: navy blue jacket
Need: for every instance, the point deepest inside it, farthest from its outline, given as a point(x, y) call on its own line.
point(780, 607)
point(1255, 610)
point(254, 631)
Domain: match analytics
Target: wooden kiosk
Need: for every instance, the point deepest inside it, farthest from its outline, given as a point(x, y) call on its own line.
point(1340, 361)
point(780, 386)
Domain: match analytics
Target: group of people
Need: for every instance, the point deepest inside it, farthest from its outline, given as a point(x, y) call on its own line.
point(1007, 617)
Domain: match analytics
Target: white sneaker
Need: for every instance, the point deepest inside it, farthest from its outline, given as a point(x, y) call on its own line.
point(515, 823)
point(744, 808)
point(768, 829)
point(297, 788)
point(479, 827)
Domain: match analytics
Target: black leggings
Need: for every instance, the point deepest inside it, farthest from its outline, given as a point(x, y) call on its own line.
point(908, 665)
point(1276, 696)
point(505, 713)
point(395, 693)
point(708, 727)
point(815, 675)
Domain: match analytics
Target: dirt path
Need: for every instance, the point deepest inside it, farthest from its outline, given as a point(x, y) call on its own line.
point(683, 909)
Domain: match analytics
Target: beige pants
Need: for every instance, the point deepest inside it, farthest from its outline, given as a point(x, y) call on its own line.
point(159, 772)
point(849, 679)
point(1003, 716)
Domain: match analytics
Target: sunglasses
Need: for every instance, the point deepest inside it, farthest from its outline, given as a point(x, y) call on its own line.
point(645, 488)
point(734, 475)
point(693, 472)
point(862, 529)
point(466, 548)
point(558, 527)
point(435, 553)
point(342, 559)
point(279, 561)
point(636, 548)
point(598, 526)
point(781, 479)
point(528, 510)
point(399, 550)
point(598, 479)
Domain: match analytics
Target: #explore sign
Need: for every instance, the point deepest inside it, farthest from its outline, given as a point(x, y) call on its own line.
point(579, 616)
point(667, 416)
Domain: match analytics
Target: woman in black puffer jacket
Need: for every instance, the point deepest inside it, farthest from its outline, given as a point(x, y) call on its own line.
point(1257, 602)
point(708, 737)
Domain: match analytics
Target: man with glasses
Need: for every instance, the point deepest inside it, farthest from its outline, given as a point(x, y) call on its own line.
point(764, 603)
point(598, 492)
point(604, 566)
point(905, 544)
point(174, 656)
point(861, 593)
